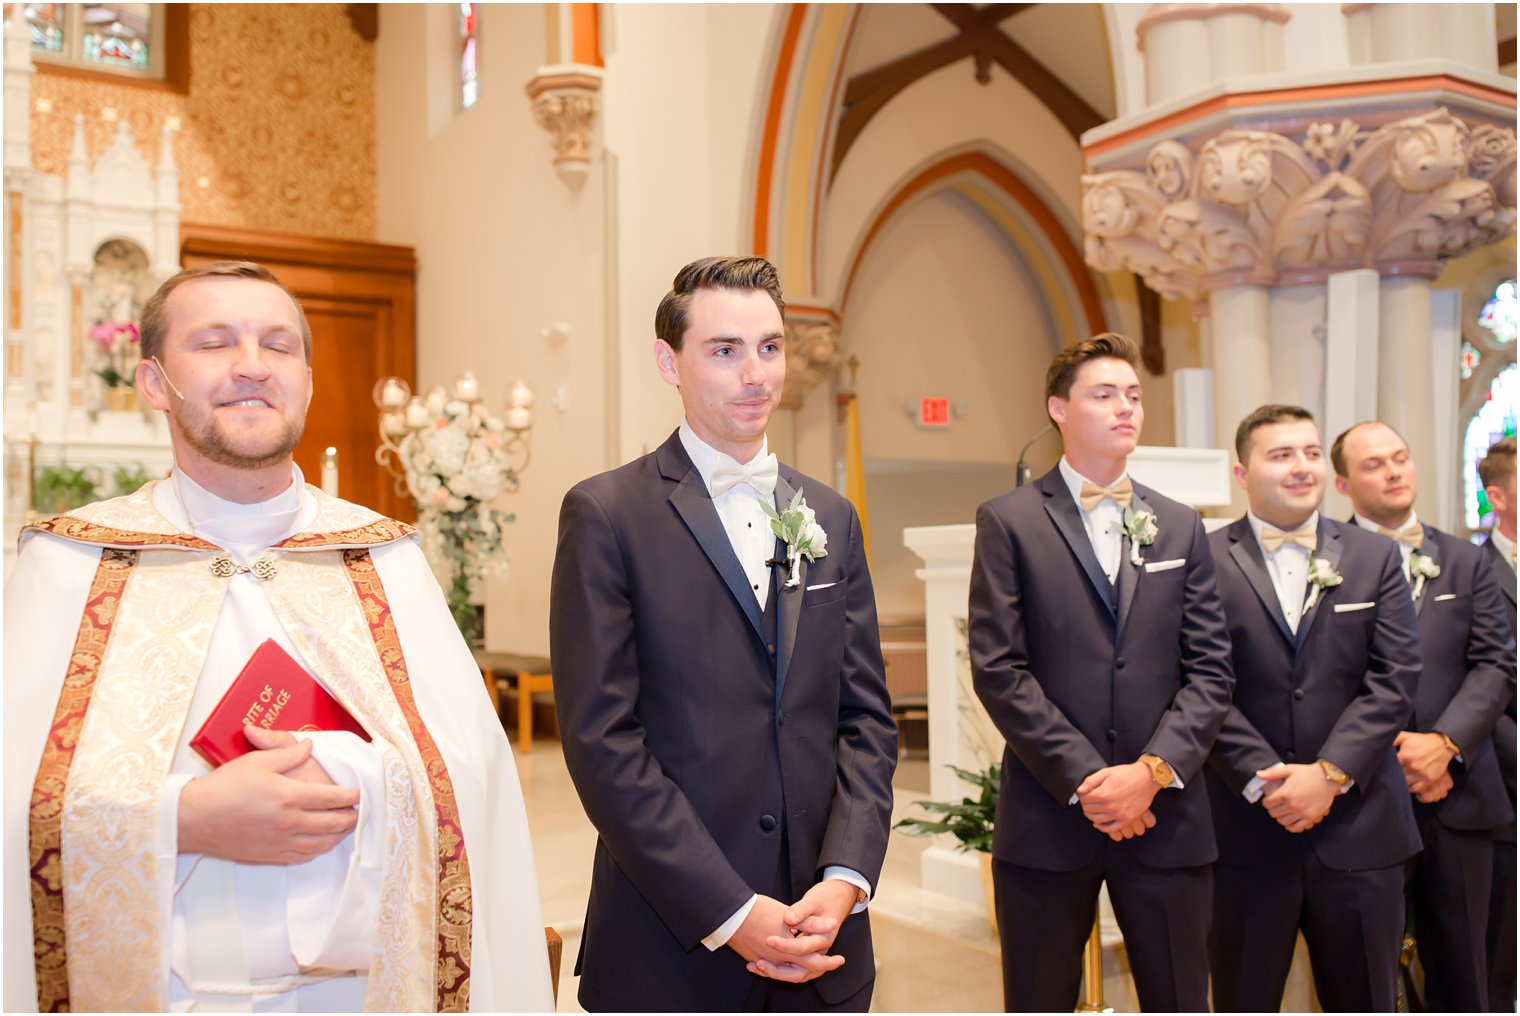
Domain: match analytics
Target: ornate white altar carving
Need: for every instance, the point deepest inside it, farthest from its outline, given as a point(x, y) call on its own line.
point(83, 249)
point(960, 732)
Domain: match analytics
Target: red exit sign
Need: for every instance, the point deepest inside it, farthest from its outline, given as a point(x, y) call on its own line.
point(933, 412)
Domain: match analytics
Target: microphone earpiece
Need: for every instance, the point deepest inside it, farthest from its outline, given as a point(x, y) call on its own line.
point(165, 375)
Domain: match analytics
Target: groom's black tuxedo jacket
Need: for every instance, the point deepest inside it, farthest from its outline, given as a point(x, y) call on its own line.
point(1504, 729)
point(1078, 675)
point(719, 750)
point(1341, 688)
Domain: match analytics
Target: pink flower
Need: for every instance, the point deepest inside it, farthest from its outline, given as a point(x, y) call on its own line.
point(491, 440)
point(441, 496)
point(112, 335)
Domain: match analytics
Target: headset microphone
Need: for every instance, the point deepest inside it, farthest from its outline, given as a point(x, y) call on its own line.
point(165, 375)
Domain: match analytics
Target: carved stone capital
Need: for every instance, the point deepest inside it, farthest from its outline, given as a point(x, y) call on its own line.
point(565, 103)
point(812, 355)
point(1261, 208)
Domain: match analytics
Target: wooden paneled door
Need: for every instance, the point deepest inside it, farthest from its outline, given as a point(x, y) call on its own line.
point(360, 301)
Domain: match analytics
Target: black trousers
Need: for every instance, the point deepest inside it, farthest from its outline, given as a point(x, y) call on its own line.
point(1501, 930)
point(1045, 918)
point(1353, 922)
point(1450, 886)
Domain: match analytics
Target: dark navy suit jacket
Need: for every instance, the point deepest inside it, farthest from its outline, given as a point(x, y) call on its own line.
point(1341, 689)
point(1504, 730)
point(1077, 675)
point(718, 751)
point(1468, 678)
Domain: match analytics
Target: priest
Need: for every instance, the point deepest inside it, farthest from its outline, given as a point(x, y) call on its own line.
point(319, 871)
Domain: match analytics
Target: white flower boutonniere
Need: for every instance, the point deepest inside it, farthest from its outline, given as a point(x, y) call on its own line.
point(1322, 576)
point(1422, 567)
point(1141, 529)
point(799, 529)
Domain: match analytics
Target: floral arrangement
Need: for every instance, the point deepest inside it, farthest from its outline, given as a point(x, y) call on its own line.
point(1141, 528)
point(798, 528)
point(1322, 576)
point(118, 342)
point(1421, 568)
point(457, 457)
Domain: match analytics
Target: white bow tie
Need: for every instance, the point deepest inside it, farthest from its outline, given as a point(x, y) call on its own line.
point(759, 473)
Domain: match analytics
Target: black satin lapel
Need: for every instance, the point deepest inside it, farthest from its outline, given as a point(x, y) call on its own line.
point(1064, 513)
point(1329, 549)
point(789, 600)
point(696, 508)
point(1247, 555)
point(1129, 575)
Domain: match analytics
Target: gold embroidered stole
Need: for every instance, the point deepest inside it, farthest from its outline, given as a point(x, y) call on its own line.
point(101, 932)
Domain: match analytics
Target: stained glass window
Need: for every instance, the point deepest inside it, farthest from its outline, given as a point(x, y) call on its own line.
point(468, 85)
point(1470, 360)
point(117, 34)
point(1494, 420)
point(1499, 313)
point(122, 39)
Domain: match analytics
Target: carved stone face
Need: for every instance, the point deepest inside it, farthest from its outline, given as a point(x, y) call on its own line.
point(1105, 212)
point(1169, 165)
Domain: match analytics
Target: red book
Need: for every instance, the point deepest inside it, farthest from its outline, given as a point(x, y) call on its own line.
point(272, 691)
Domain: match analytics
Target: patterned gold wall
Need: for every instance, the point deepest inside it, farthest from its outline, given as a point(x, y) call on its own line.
point(277, 131)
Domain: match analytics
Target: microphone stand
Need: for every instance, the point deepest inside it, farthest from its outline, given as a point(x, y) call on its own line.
point(1022, 473)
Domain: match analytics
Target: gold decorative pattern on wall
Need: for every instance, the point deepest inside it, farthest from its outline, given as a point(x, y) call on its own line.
point(277, 131)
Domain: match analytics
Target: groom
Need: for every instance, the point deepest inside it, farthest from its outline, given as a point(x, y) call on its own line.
point(721, 692)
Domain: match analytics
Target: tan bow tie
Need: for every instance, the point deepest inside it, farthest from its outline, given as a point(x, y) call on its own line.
point(1122, 492)
point(1413, 535)
point(1305, 536)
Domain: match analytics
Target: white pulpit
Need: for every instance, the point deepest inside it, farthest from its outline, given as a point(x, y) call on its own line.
point(960, 732)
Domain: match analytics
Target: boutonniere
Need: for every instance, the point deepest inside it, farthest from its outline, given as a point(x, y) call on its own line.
point(804, 537)
point(1422, 567)
point(1141, 529)
point(1322, 575)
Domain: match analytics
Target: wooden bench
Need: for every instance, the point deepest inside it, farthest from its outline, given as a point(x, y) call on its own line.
point(531, 673)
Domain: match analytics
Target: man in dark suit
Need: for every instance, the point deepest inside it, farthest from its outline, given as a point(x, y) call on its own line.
point(1098, 649)
point(1497, 473)
point(1445, 748)
point(721, 692)
point(1310, 807)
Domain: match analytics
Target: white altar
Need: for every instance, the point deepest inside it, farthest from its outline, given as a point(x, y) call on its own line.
point(960, 733)
point(84, 252)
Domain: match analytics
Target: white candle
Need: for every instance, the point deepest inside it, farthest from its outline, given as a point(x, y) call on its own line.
point(392, 396)
point(467, 388)
point(519, 418)
point(416, 414)
point(522, 396)
point(394, 423)
point(330, 472)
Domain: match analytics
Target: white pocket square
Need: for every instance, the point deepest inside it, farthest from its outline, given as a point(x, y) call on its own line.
point(1343, 608)
point(1155, 566)
point(1446, 596)
point(821, 585)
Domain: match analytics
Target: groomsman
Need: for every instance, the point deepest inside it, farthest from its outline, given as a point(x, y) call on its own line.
point(1098, 648)
point(1445, 749)
point(1310, 806)
point(721, 691)
point(1497, 473)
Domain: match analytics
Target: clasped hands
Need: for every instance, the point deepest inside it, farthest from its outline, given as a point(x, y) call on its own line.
point(791, 943)
point(1297, 796)
point(274, 805)
point(1117, 800)
point(1425, 759)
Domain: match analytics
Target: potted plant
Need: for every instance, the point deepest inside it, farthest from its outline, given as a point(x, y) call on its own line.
point(969, 821)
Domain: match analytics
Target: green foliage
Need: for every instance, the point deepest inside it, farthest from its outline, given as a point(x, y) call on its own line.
point(59, 488)
point(127, 479)
point(970, 820)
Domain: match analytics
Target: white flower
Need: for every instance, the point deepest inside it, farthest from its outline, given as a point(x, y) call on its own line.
point(803, 536)
point(1422, 567)
point(1141, 528)
point(1322, 575)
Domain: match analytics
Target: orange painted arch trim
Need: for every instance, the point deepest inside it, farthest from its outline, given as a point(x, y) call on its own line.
point(586, 34)
point(1009, 183)
point(1246, 100)
point(766, 167)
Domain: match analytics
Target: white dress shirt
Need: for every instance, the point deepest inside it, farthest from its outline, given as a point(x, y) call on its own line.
point(749, 533)
point(1104, 524)
point(1404, 549)
point(1288, 566)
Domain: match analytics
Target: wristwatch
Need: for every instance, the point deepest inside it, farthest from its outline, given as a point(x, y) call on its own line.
point(1334, 773)
point(1161, 772)
point(1451, 745)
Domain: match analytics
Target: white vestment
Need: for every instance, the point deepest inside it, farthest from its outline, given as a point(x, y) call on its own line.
point(271, 937)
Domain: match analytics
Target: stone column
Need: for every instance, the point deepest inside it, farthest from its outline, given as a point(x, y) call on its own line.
point(1406, 397)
